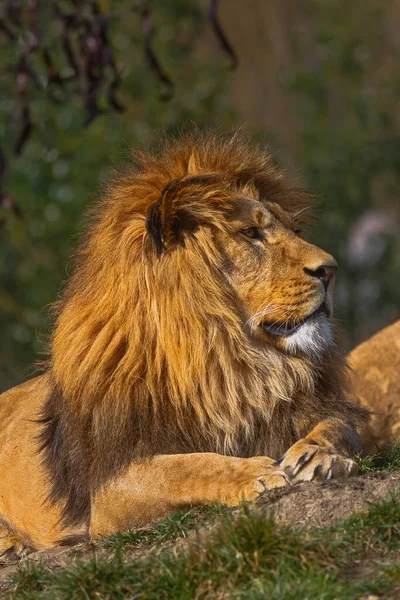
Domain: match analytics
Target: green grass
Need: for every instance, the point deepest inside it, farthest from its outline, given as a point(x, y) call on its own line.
point(179, 525)
point(246, 556)
point(386, 460)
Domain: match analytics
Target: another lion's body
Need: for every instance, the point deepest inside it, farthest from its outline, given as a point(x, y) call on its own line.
point(375, 383)
point(158, 358)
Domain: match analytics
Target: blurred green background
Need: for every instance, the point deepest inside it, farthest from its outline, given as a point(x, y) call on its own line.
point(319, 81)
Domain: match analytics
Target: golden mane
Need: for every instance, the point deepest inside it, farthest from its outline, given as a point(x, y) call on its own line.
point(150, 353)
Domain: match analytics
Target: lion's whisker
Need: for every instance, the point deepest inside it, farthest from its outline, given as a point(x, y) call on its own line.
point(270, 308)
point(298, 212)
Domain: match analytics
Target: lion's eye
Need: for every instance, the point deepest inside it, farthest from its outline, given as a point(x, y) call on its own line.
point(253, 233)
point(298, 231)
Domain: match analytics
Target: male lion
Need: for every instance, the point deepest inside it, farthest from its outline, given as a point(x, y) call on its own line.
point(194, 358)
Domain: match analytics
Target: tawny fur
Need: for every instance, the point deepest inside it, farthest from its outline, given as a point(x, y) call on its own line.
point(375, 383)
point(162, 378)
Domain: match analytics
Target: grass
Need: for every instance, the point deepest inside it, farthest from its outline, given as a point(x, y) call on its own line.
point(246, 556)
point(179, 525)
point(386, 460)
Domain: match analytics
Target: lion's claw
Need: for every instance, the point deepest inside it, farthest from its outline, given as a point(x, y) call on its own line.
point(305, 462)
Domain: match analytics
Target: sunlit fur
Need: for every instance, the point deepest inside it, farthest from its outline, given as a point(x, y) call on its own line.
point(375, 383)
point(152, 350)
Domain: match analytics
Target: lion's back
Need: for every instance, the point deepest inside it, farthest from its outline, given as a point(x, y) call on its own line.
point(24, 484)
point(376, 382)
point(21, 402)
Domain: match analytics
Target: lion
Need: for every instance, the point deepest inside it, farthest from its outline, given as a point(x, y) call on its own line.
point(375, 384)
point(194, 357)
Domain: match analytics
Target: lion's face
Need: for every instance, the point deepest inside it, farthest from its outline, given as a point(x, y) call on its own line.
point(284, 282)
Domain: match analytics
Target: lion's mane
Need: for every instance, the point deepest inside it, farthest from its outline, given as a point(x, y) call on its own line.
point(149, 353)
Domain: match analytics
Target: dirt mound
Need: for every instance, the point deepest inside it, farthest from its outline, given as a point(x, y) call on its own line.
point(319, 504)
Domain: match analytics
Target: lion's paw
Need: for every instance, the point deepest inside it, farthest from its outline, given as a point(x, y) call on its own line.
point(11, 546)
point(270, 481)
point(258, 474)
point(305, 462)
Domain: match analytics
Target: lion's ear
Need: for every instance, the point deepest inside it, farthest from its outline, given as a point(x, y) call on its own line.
point(154, 226)
point(167, 221)
point(193, 167)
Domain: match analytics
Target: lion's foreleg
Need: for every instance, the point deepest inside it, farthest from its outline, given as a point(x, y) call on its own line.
point(156, 487)
point(325, 453)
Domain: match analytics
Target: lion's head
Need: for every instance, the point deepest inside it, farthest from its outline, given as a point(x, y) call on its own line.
point(196, 316)
point(280, 284)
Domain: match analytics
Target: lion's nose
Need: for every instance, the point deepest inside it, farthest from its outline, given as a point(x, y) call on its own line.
point(324, 273)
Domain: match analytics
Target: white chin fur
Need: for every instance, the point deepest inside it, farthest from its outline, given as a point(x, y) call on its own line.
point(314, 337)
